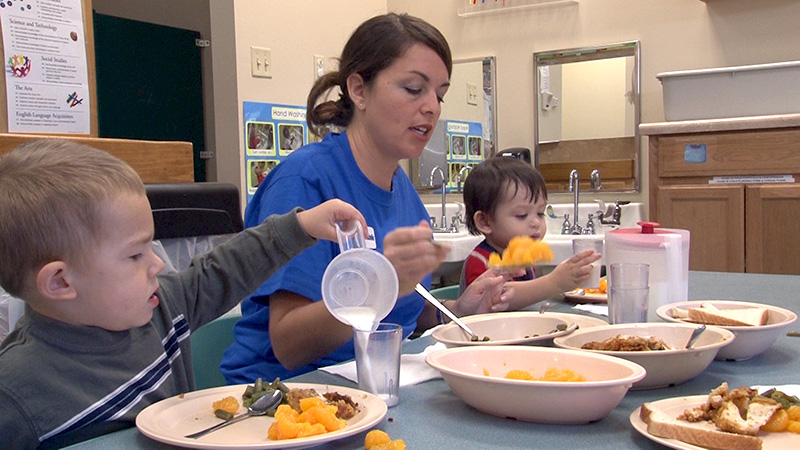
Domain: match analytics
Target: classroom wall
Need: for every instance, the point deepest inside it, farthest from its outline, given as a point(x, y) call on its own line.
point(675, 35)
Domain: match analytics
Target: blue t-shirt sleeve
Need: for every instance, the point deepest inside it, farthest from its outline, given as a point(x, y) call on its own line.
point(303, 274)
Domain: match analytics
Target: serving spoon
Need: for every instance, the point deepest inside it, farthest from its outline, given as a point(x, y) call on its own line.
point(695, 334)
point(258, 408)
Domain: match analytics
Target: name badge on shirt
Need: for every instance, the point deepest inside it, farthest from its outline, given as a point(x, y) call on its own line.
point(370, 242)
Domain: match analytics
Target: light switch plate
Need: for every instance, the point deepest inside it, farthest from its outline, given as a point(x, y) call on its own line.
point(261, 62)
point(472, 94)
point(319, 66)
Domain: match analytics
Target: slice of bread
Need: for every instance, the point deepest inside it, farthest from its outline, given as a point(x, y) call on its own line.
point(662, 425)
point(710, 315)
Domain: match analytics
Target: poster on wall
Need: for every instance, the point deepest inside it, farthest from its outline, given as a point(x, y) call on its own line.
point(47, 87)
point(271, 132)
point(466, 149)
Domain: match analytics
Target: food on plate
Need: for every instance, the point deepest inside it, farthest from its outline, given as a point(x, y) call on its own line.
point(475, 338)
point(316, 417)
point(226, 407)
point(259, 389)
point(740, 410)
point(627, 343)
point(380, 440)
point(522, 251)
point(602, 289)
point(728, 419)
point(662, 425)
point(788, 417)
point(709, 314)
point(551, 374)
point(346, 407)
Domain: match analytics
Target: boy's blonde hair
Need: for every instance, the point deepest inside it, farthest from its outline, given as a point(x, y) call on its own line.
point(51, 194)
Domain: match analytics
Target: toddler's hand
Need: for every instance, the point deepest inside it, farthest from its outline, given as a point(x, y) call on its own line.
point(319, 222)
point(570, 273)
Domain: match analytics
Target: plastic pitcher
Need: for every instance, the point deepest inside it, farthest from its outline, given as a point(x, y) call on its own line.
point(665, 250)
point(359, 286)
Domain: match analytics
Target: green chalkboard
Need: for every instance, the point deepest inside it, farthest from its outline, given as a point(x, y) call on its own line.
point(149, 83)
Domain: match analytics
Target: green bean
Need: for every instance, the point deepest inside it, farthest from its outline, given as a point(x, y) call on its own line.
point(222, 414)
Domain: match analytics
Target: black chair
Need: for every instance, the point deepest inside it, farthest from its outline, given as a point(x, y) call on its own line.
point(195, 209)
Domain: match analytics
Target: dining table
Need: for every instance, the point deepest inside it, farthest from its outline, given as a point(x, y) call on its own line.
point(430, 416)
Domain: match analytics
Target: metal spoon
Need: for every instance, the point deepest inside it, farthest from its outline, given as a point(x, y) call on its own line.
point(258, 408)
point(695, 334)
point(433, 301)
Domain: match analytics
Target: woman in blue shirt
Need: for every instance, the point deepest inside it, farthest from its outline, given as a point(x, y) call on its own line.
point(394, 72)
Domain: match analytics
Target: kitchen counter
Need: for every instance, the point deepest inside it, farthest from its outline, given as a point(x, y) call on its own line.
point(711, 125)
point(429, 415)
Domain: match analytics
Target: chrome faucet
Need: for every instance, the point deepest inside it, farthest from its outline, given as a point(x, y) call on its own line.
point(595, 180)
point(574, 187)
point(616, 214)
point(466, 169)
point(436, 168)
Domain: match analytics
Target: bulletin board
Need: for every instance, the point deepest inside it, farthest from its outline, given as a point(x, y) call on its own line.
point(88, 37)
point(465, 143)
point(271, 133)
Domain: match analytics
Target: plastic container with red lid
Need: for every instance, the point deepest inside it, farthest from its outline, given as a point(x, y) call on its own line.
point(666, 250)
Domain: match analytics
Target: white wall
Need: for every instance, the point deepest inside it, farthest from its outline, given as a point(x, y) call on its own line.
point(295, 30)
point(675, 35)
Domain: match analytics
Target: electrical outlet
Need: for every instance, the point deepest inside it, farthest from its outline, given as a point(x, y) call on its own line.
point(319, 66)
point(472, 94)
point(261, 62)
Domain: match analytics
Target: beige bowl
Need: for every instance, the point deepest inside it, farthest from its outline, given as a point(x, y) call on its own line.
point(477, 376)
point(505, 328)
point(664, 367)
point(750, 341)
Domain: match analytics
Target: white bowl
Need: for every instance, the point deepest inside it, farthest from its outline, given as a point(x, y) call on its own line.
point(477, 376)
point(505, 328)
point(664, 367)
point(750, 341)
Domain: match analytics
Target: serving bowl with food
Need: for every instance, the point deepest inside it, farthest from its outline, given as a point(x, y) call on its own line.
point(536, 384)
point(755, 325)
point(658, 347)
point(505, 328)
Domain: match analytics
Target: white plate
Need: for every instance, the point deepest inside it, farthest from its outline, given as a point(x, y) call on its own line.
point(579, 296)
point(171, 419)
point(675, 407)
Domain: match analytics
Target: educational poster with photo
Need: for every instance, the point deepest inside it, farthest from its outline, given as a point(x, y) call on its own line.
point(47, 81)
point(272, 133)
point(466, 149)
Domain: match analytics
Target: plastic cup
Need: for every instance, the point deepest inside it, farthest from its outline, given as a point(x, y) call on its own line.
point(628, 292)
point(378, 361)
point(359, 286)
point(579, 245)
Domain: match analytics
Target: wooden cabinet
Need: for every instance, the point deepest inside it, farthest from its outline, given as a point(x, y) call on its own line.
point(736, 191)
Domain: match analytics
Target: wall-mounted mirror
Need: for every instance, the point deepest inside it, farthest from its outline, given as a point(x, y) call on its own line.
point(586, 115)
point(467, 124)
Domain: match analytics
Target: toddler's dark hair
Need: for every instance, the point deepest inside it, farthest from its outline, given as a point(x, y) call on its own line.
point(486, 183)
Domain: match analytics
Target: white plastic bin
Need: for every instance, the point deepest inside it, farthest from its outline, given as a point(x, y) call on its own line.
point(757, 90)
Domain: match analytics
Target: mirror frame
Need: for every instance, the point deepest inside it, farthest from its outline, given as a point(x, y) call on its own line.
point(492, 60)
point(592, 53)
